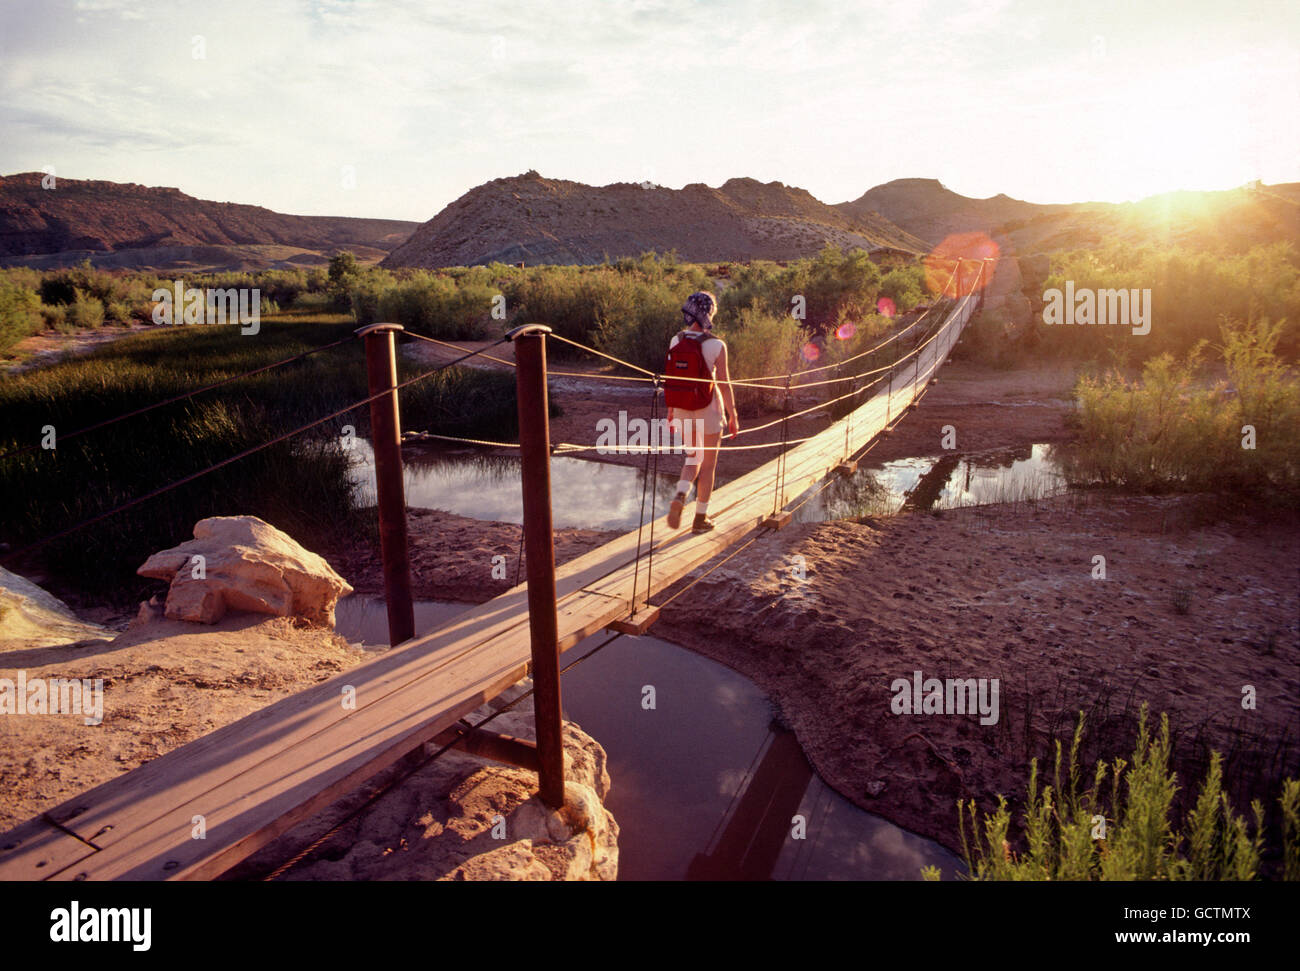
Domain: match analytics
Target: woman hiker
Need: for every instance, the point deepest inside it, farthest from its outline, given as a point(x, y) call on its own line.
point(697, 406)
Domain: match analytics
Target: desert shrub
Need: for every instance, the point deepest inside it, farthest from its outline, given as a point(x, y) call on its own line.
point(635, 319)
point(759, 344)
point(20, 313)
point(1175, 429)
point(55, 318)
point(282, 287)
point(85, 311)
point(1191, 291)
point(118, 312)
point(1123, 827)
point(343, 274)
point(317, 279)
point(905, 286)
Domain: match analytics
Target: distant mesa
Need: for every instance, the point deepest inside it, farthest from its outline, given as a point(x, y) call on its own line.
point(134, 226)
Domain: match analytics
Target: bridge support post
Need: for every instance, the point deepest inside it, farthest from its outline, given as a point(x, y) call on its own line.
point(539, 550)
point(390, 495)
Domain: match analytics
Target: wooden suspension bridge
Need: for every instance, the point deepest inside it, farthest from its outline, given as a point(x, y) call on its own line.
point(258, 777)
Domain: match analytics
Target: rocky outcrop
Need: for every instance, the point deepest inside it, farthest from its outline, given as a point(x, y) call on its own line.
point(240, 563)
point(462, 818)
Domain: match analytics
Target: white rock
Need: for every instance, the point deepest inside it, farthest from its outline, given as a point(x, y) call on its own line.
point(248, 565)
point(32, 617)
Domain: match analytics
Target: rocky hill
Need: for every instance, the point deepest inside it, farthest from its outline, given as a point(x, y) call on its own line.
point(1232, 218)
point(532, 219)
point(932, 211)
point(130, 225)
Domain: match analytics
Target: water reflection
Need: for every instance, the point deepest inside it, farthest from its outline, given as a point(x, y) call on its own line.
point(706, 786)
point(592, 495)
point(941, 482)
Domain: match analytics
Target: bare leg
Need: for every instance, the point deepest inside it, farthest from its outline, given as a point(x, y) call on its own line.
point(707, 467)
point(698, 468)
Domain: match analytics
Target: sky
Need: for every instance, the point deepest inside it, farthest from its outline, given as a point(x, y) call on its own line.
point(395, 108)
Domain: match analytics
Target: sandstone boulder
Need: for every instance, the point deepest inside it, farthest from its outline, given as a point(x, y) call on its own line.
point(246, 565)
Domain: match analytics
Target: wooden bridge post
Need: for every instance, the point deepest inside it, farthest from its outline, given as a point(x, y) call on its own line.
point(390, 495)
point(539, 550)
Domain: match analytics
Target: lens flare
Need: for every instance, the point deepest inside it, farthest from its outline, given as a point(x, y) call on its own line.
point(811, 351)
point(846, 330)
point(968, 250)
point(885, 307)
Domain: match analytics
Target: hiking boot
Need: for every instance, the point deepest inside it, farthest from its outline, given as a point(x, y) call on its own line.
point(675, 510)
point(702, 523)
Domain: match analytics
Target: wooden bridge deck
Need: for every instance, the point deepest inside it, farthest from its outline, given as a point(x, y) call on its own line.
point(256, 778)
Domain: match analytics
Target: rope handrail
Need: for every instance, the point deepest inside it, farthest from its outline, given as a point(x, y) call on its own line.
point(565, 447)
point(180, 397)
point(758, 382)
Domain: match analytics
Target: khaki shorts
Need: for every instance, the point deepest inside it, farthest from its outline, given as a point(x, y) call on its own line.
point(706, 421)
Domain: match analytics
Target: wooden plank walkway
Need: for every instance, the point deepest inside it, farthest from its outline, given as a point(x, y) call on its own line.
point(254, 779)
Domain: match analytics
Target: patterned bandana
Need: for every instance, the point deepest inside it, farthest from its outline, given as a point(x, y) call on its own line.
point(700, 308)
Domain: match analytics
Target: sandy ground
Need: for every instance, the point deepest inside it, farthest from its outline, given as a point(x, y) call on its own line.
point(1006, 592)
point(49, 346)
point(165, 683)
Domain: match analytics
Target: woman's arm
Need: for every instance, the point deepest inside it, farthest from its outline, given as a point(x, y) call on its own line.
point(728, 396)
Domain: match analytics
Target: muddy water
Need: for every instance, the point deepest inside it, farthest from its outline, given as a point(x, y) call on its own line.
point(704, 784)
point(593, 495)
point(940, 482)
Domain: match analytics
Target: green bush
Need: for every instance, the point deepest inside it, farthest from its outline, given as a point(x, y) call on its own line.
point(1176, 429)
point(1191, 291)
point(760, 344)
point(905, 286)
point(20, 313)
point(85, 311)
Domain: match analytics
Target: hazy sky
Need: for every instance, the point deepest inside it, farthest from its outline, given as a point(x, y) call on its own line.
point(396, 107)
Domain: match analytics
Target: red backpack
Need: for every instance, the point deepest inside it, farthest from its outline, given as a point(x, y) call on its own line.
point(686, 360)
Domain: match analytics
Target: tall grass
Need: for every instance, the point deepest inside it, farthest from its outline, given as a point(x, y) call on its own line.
point(1120, 824)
